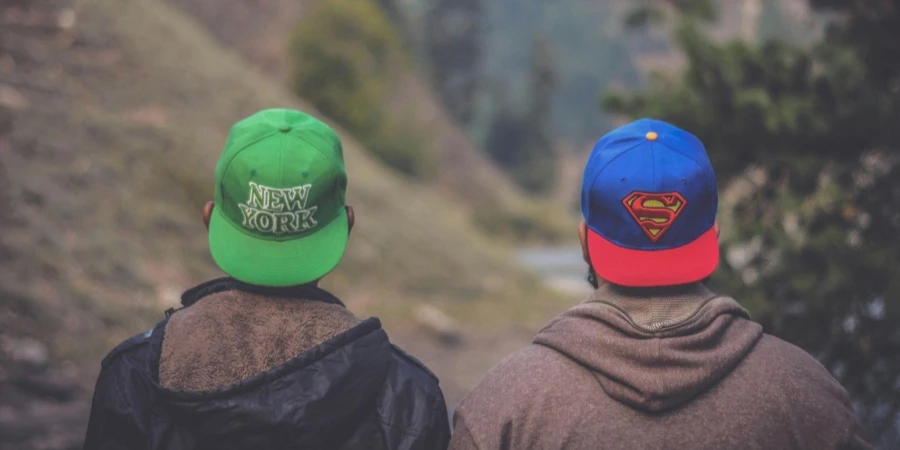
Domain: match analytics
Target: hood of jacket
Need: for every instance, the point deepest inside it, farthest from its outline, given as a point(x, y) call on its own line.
point(310, 399)
point(654, 350)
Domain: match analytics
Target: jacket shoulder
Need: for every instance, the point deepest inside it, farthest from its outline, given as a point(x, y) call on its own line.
point(410, 377)
point(123, 396)
point(519, 380)
point(500, 412)
point(787, 359)
point(810, 398)
point(132, 346)
point(779, 367)
point(411, 398)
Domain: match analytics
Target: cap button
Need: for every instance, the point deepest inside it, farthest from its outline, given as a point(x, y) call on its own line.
point(284, 128)
point(652, 136)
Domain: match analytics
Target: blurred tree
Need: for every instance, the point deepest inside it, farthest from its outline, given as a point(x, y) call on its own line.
point(815, 251)
point(522, 143)
point(653, 12)
point(591, 50)
point(346, 57)
point(392, 9)
point(396, 12)
point(453, 41)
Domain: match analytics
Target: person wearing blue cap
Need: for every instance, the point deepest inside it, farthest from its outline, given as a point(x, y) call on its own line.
point(653, 359)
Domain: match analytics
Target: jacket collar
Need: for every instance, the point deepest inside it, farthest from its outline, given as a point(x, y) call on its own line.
point(652, 310)
point(304, 292)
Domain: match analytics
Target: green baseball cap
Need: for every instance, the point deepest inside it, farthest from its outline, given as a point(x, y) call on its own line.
point(279, 216)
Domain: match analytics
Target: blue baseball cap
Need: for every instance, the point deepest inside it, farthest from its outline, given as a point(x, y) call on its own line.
point(649, 199)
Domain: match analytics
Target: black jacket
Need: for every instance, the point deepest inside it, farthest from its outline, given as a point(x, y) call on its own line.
point(354, 391)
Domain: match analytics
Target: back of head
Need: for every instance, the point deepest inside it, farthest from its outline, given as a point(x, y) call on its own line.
point(279, 217)
point(649, 200)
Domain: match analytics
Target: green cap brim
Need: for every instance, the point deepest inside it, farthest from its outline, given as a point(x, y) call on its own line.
point(277, 263)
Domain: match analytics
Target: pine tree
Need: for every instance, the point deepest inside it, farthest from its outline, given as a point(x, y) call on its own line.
point(522, 142)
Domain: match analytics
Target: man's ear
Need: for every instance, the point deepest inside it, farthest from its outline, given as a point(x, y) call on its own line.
point(716, 226)
point(351, 218)
point(582, 237)
point(207, 213)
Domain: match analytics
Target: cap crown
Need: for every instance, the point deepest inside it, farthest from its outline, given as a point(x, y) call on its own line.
point(281, 175)
point(649, 186)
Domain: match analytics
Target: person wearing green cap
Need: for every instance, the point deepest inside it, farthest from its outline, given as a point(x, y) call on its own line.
point(264, 358)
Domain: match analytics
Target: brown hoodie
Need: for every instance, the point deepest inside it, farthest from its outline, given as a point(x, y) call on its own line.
point(685, 369)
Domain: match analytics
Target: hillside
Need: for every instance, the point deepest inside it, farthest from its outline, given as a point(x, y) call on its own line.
point(258, 30)
point(112, 115)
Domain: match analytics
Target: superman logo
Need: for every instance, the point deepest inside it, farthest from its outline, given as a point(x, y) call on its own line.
point(654, 212)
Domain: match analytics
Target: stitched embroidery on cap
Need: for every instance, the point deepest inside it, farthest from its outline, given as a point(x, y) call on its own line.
point(278, 211)
point(654, 212)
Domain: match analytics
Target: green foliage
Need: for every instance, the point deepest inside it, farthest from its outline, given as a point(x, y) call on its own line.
point(346, 58)
point(771, 95)
point(821, 123)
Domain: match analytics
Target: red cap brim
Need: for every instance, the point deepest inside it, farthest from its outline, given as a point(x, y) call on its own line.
point(650, 268)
